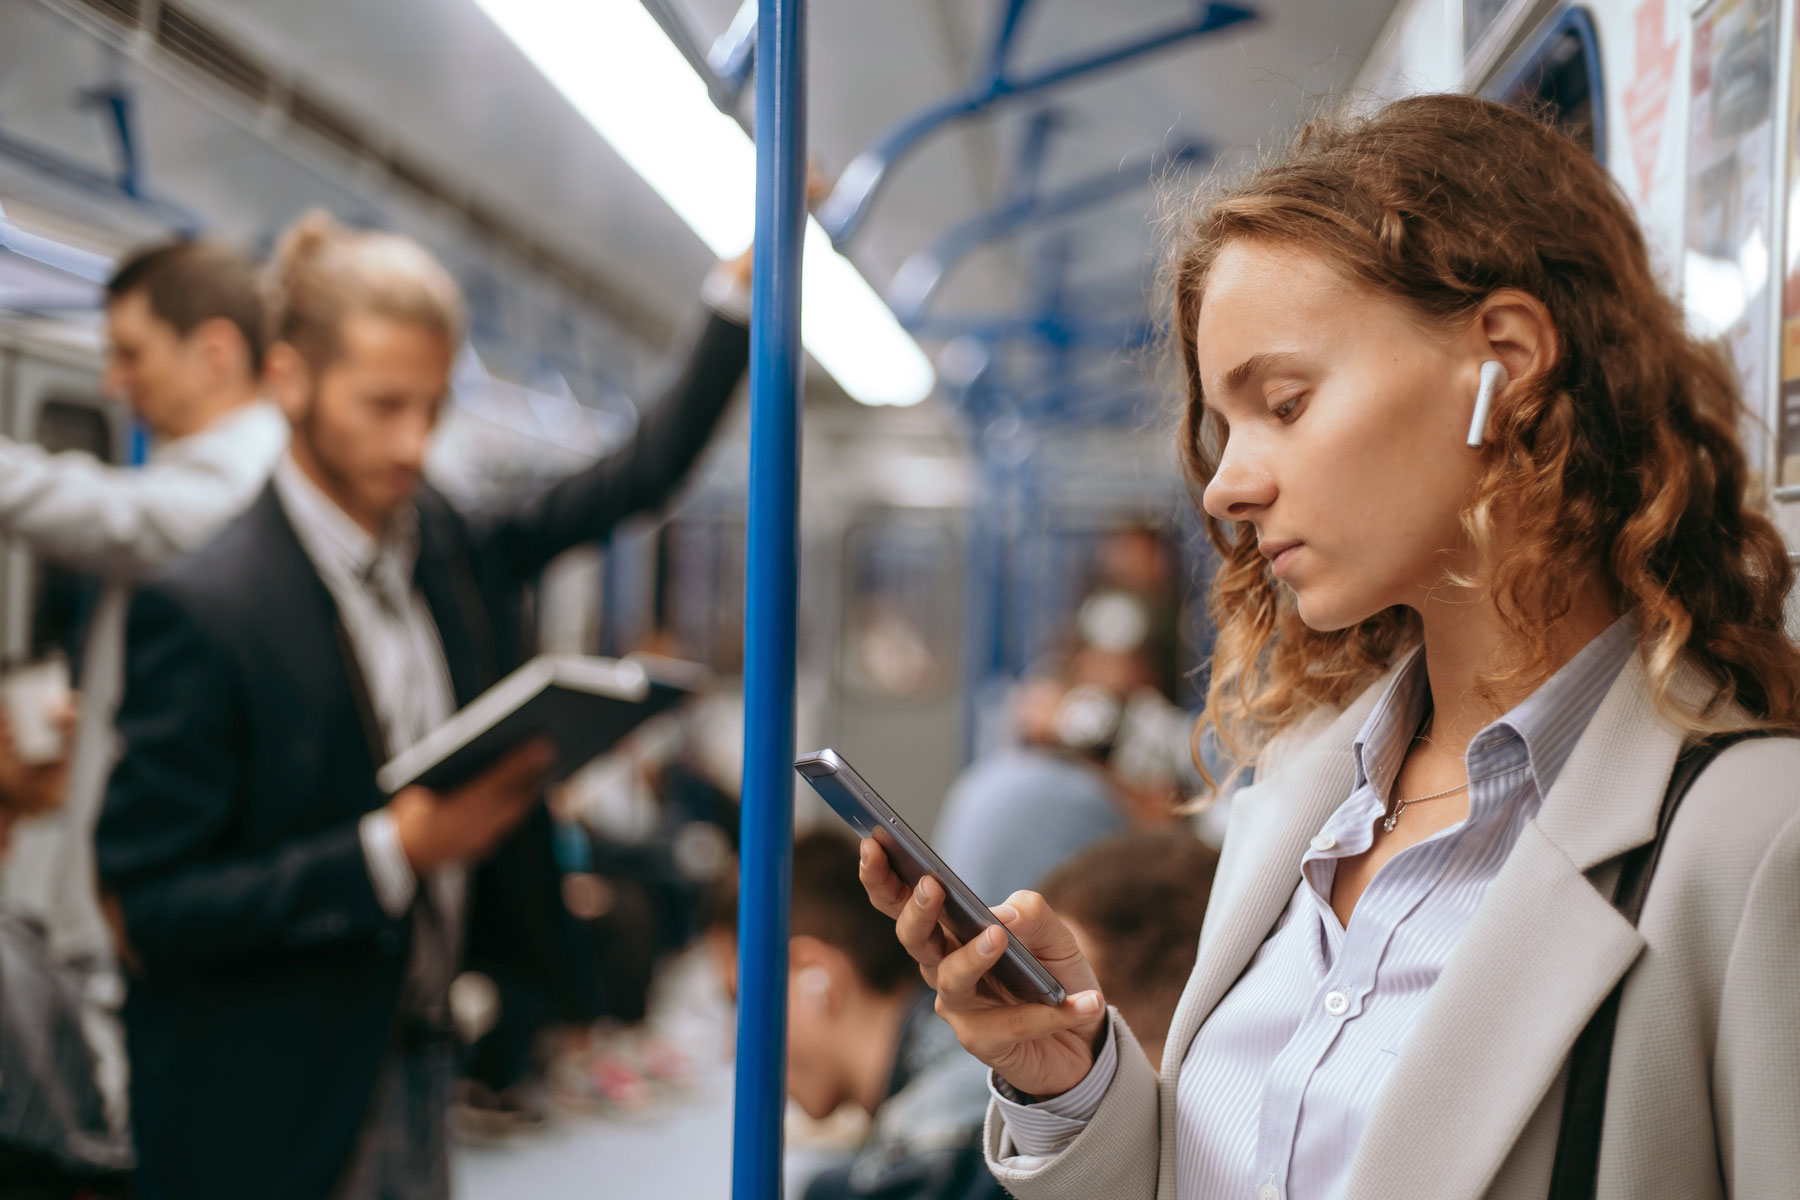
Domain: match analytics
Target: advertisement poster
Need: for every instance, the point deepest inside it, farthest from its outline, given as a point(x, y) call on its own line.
point(1787, 417)
point(1729, 247)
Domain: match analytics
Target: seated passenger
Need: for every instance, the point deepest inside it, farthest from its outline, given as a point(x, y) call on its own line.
point(861, 1031)
point(1011, 817)
point(1134, 904)
point(293, 930)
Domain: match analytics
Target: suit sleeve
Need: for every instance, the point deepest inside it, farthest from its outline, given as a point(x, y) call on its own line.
point(1116, 1154)
point(165, 842)
point(639, 476)
point(1756, 1086)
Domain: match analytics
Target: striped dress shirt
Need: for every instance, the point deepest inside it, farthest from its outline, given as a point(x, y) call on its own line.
point(401, 655)
point(1276, 1087)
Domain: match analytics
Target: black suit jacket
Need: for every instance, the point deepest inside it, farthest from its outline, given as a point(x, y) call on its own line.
point(267, 973)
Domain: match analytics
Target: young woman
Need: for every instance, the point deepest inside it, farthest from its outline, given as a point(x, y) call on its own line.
point(1467, 647)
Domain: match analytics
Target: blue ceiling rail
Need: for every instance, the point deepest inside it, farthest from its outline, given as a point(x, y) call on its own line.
point(114, 99)
point(116, 102)
point(1026, 207)
point(732, 58)
point(1057, 328)
point(843, 212)
point(1063, 319)
point(70, 260)
point(86, 179)
point(723, 92)
point(1101, 401)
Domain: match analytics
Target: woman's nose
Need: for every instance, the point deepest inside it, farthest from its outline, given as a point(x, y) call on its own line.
point(1239, 488)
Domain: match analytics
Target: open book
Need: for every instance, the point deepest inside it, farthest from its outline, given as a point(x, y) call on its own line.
point(583, 704)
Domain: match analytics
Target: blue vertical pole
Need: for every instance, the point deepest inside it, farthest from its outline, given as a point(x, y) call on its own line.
point(770, 598)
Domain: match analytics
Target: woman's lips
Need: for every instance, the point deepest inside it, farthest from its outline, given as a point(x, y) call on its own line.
point(1282, 557)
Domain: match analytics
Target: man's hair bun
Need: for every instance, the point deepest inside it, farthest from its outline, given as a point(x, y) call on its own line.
point(306, 239)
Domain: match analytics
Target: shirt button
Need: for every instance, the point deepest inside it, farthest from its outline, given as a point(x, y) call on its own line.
point(1268, 1191)
point(1323, 842)
point(1336, 1003)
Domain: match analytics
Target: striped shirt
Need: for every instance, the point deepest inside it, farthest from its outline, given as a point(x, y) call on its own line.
point(401, 655)
point(1276, 1087)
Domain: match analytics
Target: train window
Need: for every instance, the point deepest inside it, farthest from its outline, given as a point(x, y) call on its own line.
point(700, 590)
point(900, 611)
point(1479, 16)
point(62, 600)
point(1560, 73)
point(68, 422)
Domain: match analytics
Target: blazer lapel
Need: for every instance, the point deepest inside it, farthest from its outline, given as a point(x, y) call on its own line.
point(1541, 953)
point(311, 655)
point(446, 579)
point(1271, 822)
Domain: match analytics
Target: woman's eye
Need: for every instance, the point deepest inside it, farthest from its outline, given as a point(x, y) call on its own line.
point(1287, 408)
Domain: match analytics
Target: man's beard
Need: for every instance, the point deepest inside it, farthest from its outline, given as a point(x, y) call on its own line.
point(339, 480)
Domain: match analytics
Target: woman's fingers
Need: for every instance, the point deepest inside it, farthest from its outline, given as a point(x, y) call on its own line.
point(962, 970)
point(1041, 931)
point(991, 1034)
point(917, 924)
point(887, 892)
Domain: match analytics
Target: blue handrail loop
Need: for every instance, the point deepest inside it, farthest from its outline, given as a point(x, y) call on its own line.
point(843, 212)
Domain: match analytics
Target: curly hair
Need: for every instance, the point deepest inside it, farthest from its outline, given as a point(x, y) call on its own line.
point(1618, 462)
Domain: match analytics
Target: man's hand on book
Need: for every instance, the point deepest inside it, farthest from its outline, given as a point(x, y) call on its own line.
point(464, 824)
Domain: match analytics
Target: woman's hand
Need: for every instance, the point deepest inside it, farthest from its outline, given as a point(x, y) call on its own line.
point(1039, 1050)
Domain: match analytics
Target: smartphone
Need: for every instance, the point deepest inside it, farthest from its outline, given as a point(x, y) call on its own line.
point(912, 858)
point(32, 696)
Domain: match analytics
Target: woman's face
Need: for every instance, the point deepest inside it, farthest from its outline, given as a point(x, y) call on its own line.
point(1348, 422)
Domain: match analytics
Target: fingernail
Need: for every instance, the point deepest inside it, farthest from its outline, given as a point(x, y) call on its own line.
point(1087, 1002)
point(1006, 914)
point(862, 854)
point(920, 896)
point(991, 939)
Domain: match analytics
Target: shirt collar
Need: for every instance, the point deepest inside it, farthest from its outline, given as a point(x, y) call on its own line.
point(1552, 719)
point(1383, 740)
point(1548, 722)
point(224, 430)
point(335, 542)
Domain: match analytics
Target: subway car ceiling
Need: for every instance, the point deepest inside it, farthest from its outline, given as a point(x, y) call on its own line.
point(407, 113)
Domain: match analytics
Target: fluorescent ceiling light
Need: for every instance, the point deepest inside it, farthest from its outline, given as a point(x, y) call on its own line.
point(620, 71)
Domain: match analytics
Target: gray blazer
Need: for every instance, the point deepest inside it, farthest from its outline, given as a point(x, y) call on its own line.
point(1704, 1098)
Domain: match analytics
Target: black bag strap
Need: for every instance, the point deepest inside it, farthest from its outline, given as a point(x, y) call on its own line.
point(1575, 1173)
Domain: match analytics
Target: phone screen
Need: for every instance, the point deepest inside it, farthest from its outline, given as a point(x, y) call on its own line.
point(912, 858)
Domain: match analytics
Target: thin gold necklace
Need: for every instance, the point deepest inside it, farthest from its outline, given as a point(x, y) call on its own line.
point(1400, 806)
point(1394, 817)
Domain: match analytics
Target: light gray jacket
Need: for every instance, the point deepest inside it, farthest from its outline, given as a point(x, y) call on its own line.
point(1704, 1098)
point(120, 524)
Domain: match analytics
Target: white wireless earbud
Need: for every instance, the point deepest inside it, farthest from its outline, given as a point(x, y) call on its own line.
point(815, 984)
point(1493, 378)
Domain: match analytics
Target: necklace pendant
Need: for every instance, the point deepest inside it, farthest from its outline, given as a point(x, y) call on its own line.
point(1392, 819)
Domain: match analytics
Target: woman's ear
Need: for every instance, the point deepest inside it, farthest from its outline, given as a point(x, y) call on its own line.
point(1515, 329)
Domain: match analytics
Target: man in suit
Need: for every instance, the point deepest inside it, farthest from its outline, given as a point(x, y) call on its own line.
point(294, 930)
